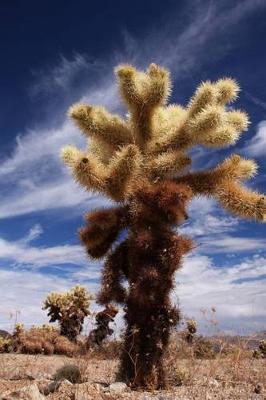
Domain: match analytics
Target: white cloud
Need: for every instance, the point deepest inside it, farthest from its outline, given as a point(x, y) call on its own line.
point(36, 178)
point(25, 291)
point(21, 252)
point(202, 285)
point(256, 147)
point(214, 232)
point(207, 222)
point(206, 34)
point(231, 244)
point(55, 194)
point(237, 292)
point(33, 234)
point(62, 75)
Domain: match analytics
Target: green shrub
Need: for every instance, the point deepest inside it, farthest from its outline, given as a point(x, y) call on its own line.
point(71, 372)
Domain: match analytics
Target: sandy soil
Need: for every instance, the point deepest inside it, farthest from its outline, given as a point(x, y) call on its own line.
point(201, 379)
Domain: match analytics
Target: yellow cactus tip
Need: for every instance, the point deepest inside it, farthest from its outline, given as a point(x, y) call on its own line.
point(239, 120)
point(153, 67)
point(228, 90)
point(235, 158)
point(78, 110)
point(67, 154)
point(125, 71)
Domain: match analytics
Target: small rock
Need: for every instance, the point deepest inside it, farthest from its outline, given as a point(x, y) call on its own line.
point(26, 393)
point(86, 396)
point(118, 387)
point(258, 388)
point(50, 388)
point(17, 375)
point(66, 382)
point(34, 376)
point(98, 387)
point(213, 383)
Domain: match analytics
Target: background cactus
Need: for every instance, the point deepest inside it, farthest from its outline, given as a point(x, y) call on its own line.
point(102, 329)
point(142, 162)
point(260, 352)
point(69, 309)
point(191, 329)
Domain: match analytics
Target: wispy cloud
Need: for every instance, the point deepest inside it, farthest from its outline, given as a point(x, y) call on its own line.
point(257, 101)
point(23, 253)
point(207, 34)
point(33, 234)
point(202, 285)
point(257, 145)
point(215, 232)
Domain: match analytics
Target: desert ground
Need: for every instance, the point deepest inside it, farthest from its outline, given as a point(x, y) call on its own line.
point(231, 377)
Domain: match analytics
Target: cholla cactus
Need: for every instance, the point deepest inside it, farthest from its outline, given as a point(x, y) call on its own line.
point(260, 352)
point(142, 163)
point(69, 309)
point(102, 329)
point(191, 330)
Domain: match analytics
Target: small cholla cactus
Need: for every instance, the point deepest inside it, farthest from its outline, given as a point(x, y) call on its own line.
point(260, 352)
point(141, 162)
point(191, 329)
point(19, 329)
point(102, 330)
point(69, 309)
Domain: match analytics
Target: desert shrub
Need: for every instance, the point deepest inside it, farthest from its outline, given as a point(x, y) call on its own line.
point(47, 348)
point(32, 346)
point(178, 376)
point(69, 309)
point(36, 340)
point(4, 334)
point(203, 348)
point(45, 339)
point(71, 372)
point(64, 346)
point(5, 345)
point(109, 350)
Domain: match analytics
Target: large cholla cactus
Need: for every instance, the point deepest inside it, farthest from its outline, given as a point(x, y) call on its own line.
point(69, 309)
point(141, 163)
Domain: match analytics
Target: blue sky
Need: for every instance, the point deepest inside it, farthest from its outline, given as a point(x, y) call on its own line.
point(57, 53)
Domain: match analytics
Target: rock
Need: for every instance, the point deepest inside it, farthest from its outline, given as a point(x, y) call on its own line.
point(213, 383)
point(118, 387)
point(86, 396)
point(258, 388)
point(34, 376)
point(50, 388)
point(66, 382)
point(26, 393)
point(98, 387)
point(17, 375)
